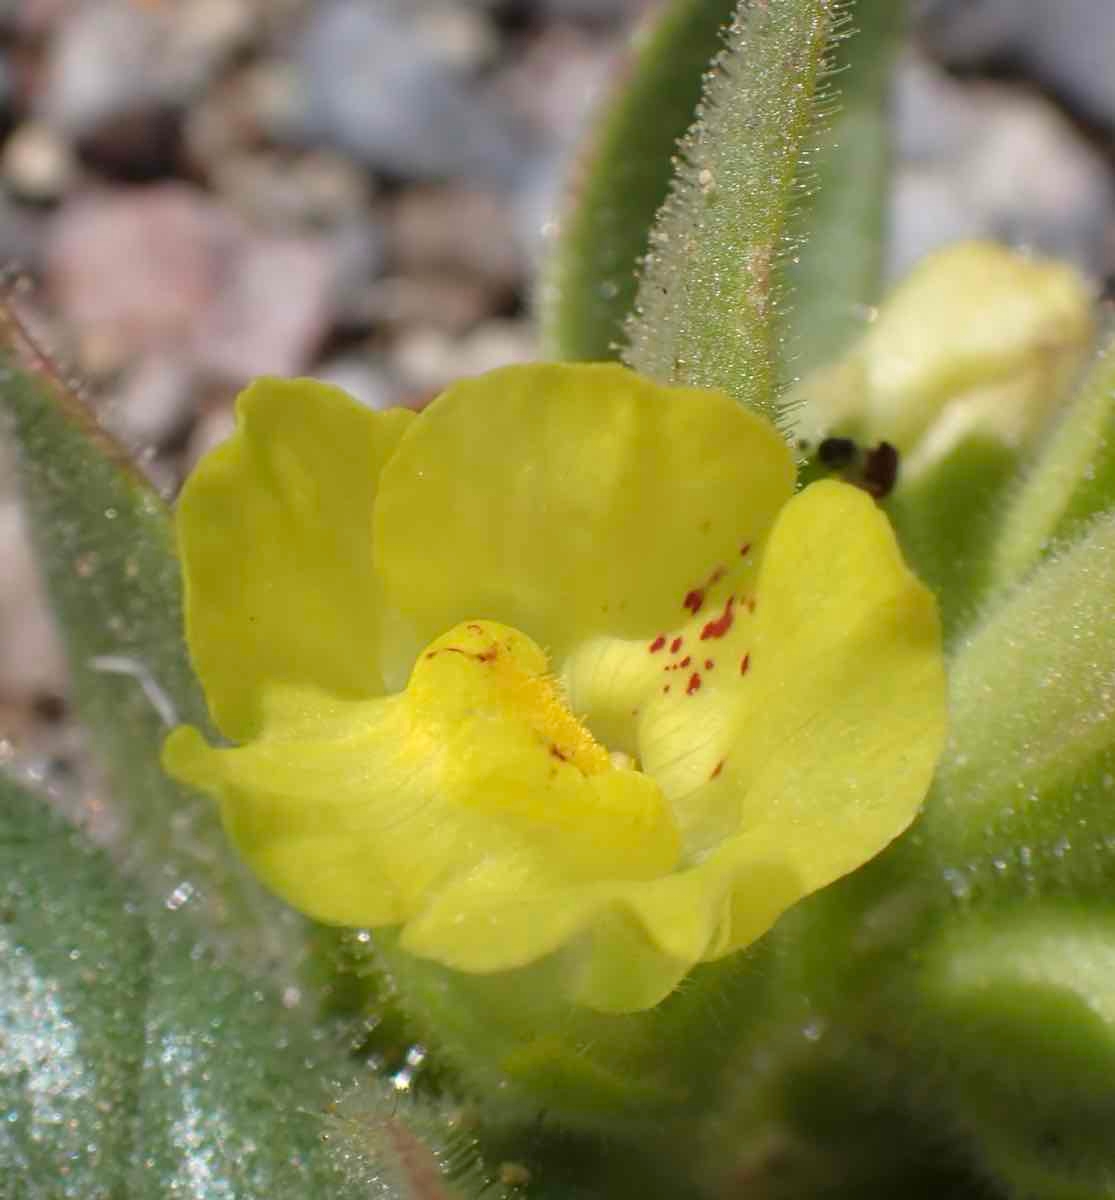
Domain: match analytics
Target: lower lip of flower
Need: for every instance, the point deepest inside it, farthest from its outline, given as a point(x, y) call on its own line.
point(511, 745)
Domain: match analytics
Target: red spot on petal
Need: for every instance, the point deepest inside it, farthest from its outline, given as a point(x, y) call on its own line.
point(696, 598)
point(744, 664)
point(709, 664)
point(675, 645)
point(684, 662)
point(717, 769)
point(720, 625)
point(751, 604)
point(657, 644)
point(744, 549)
point(694, 684)
point(665, 689)
point(453, 650)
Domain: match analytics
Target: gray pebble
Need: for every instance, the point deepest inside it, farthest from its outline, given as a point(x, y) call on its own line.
point(996, 161)
point(111, 58)
point(597, 12)
point(1068, 44)
point(152, 401)
point(273, 309)
point(379, 87)
point(428, 360)
point(363, 378)
point(37, 163)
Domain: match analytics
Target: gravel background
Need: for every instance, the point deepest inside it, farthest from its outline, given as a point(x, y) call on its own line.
point(201, 191)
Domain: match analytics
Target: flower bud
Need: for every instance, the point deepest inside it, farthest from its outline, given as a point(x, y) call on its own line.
point(977, 340)
point(961, 370)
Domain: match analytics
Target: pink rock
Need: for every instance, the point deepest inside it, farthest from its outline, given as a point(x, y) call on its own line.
point(274, 308)
point(164, 270)
point(135, 268)
point(454, 229)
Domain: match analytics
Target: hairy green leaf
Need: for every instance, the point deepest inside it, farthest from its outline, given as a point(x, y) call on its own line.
point(707, 309)
point(588, 287)
point(234, 1090)
point(1024, 792)
point(832, 250)
point(105, 546)
point(135, 1063)
point(1072, 481)
point(833, 272)
point(73, 970)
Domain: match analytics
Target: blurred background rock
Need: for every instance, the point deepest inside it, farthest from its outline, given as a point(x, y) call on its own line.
point(200, 191)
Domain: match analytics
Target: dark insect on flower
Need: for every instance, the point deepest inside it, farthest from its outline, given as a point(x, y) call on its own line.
point(874, 470)
point(837, 453)
point(880, 470)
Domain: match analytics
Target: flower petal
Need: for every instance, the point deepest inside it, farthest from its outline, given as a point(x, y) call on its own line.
point(569, 500)
point(839, 743)
point(793, 724)
point(820, 727)
point(782, 777)
point(627, 944)
point(275, 533)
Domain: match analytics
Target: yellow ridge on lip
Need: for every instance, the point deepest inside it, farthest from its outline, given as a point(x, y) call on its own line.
point(517, 672)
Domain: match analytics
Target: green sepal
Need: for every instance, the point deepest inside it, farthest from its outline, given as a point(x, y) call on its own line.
point(799, 1094)
point(1018, 1032)
point(814, 1111)
point(1024, 799)
point(588, 285)
point(519, 1045)
point(105, 545)
point(1072, 481)
point(948, 519)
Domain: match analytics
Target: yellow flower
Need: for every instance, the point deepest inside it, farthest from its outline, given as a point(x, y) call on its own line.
point(557, 665)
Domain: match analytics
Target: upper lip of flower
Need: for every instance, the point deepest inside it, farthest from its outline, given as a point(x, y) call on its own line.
point(590, 547)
